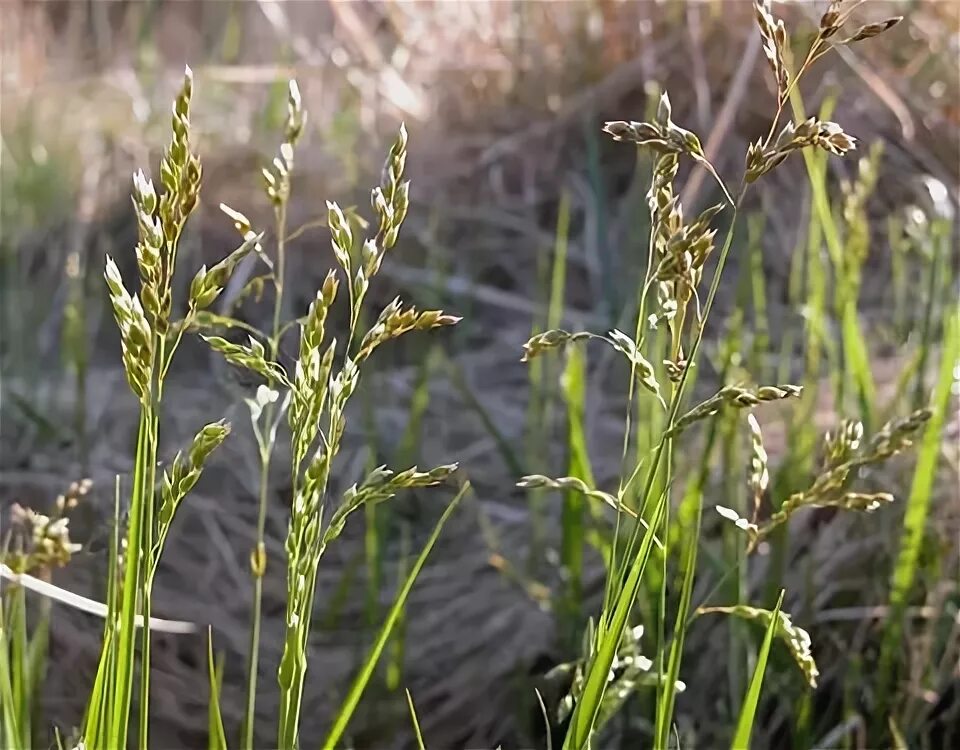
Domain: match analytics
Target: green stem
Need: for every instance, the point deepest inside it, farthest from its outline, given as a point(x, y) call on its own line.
point(663, 713)
point(147, 585)
point(782, 99)
point(668, 681)
point(596, 679)
point(18, 652)
point(677, 398)
point(609, 589)
point(120, 709)
point(258, 556)
point(9, 728)
point(160, 363)
point(281, 221)
point(252, 668)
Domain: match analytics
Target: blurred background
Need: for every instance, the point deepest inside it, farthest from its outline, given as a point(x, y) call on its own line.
point(523, 216)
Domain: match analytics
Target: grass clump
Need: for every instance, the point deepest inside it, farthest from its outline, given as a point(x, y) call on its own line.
point(631, 652)
point(314, 399)
point(679, 249)
point(310, 396)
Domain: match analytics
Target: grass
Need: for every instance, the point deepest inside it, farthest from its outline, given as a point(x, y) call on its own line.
point(918, 503)
point(363, 677)
point(316, 391)
point(748, 713)
point(627, 662)
point(678, 254)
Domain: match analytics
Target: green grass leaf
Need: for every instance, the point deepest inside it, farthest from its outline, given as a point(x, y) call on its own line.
point(344, 714)
point(587, 710)
point(415, 721)
point(8, 704)
point(918, 505)
point(217, 738)
point(668, 684)
point(748, 712)
point(573, 383)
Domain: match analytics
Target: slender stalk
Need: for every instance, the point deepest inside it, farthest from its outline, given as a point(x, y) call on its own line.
point(149, 566)
point(247, 741)
point(147, 586)
point(638, 551)
point(555, 307)
point(609, 589)
point(258, 555)
point(674, 406)
point(280, 275)
point(9, 727)
point(120, 708)
point(693, 497)
point(662, 716)
point(572, 515)
point(18, 652)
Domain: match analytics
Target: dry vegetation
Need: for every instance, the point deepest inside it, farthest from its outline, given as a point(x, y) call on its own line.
point(524, 217)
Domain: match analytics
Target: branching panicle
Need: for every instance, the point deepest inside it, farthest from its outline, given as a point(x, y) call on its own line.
point(845, 455)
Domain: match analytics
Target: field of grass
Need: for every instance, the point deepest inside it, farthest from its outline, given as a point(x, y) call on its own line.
point(693, 473)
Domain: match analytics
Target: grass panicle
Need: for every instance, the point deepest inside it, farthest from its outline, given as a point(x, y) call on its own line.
point(678, 251)
point(314, 397)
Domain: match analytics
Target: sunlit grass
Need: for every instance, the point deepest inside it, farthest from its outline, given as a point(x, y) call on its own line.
point(687, 464)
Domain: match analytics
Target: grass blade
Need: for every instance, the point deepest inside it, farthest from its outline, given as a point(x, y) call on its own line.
point(939, 249)
point(856, 360)
point(11, 730)
point(407, 453)
point(37, 651)
point(17, 616)
point(918, 505)
point(692, 503)
point(748, 712)
point(349, 705)
point(119, 709)
point(217, 737)
point(572, 521)
point(416, 723)
point(591, 699)
point(758, 293)
point(397, 647)
point(97, 717)
point(546, 720)
point(555, 306)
